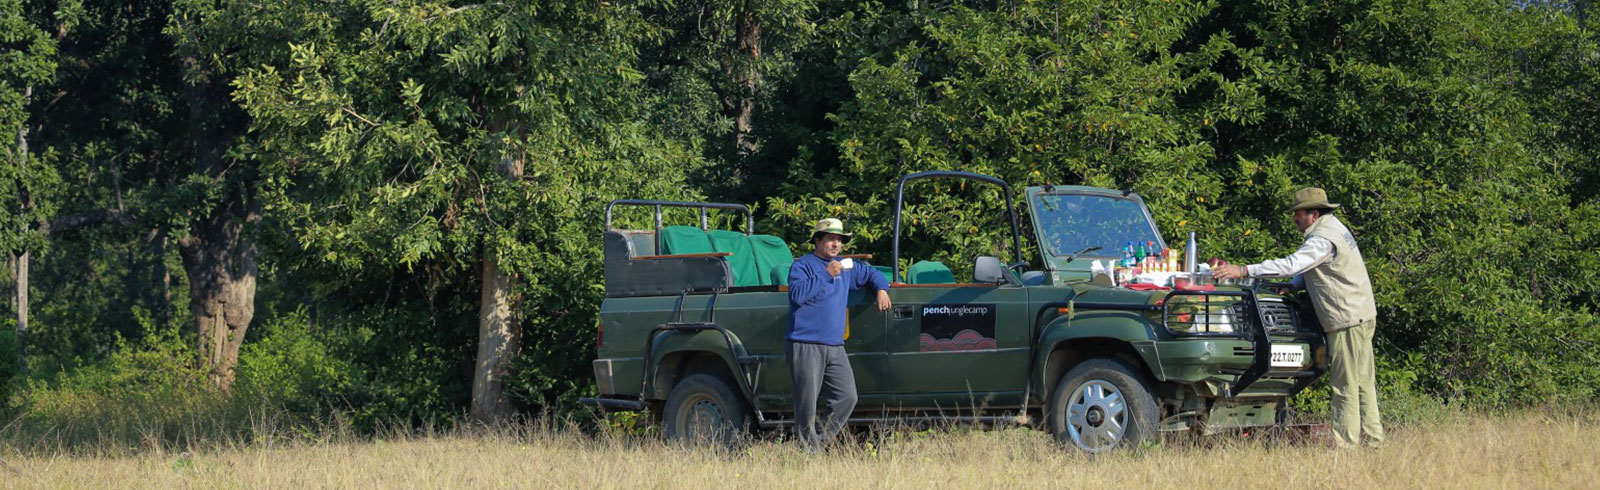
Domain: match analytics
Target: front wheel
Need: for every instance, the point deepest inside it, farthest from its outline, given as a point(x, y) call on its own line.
point(1101, 405)
point(705, 408)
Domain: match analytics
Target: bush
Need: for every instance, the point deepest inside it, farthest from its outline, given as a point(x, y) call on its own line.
point(10, 358)
point(147, 392)
point(291, 368)
point(154, 393)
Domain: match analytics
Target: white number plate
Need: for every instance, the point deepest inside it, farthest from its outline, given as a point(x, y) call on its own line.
point(1288, 356)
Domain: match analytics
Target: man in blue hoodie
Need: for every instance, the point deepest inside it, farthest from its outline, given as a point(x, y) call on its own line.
point(819, 286)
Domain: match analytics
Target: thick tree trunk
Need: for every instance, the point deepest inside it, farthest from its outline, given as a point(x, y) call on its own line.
point(498, 337)
point(499, 329)
point(220, 261)
point(219, 255)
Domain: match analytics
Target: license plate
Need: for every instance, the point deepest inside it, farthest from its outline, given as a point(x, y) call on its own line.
point(1288, 356)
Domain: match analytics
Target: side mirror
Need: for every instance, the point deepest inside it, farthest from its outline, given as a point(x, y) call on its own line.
point(988, 269)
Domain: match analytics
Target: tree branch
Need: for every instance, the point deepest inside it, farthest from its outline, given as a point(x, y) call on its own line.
point(87, 218)
point(352, 112)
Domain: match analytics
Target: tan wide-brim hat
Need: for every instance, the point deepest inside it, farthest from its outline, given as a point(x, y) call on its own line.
point(1311, 198)
point(830, 225)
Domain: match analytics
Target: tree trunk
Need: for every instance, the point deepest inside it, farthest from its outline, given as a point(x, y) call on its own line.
point(219, 255)
point(498, 337)
point(748, 80)
point(499, 329)
point(164, 276)
point(220, 261)
point(19, 300)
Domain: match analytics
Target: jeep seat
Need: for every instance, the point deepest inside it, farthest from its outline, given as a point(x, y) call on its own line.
point(929, 272)
point(772, 257)
point(742, 261)
point(682, 240)
point(888, 272)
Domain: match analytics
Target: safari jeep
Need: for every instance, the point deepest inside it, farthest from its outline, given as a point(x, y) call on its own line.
point(692, 330)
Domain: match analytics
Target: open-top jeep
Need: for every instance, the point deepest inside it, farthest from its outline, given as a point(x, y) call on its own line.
point(692, 329)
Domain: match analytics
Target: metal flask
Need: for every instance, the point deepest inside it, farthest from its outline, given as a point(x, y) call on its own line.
point(1189, 252)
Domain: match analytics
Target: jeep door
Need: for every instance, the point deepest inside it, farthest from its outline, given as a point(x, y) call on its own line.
point(866, 345)
point(958, 344)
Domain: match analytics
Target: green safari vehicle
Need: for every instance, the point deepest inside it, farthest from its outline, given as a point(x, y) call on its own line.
point(692, 331)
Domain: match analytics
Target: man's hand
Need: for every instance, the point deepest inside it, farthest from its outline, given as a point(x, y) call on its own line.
point(1230, 271)
point(883, 301)
point(834, 268)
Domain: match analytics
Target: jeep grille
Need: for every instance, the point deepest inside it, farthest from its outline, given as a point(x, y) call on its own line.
point(1280, 317)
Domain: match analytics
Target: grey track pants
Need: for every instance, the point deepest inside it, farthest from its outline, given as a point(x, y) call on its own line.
point(820, 369)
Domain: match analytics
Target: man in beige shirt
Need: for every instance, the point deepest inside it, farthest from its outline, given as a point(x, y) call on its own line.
point(1336, 279)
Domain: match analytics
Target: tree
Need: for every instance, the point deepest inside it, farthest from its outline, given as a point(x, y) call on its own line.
point(1467, 190)
point(714, 72)
point(445, 139)
point(26, 61)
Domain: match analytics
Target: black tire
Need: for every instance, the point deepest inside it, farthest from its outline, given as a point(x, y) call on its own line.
point(1117, 409)
point(706, 408)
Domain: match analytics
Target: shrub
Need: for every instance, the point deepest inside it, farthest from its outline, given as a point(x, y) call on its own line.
point(147, 392)
point(293, 369)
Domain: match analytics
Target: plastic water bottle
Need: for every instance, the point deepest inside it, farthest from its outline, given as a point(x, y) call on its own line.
point(1127, 255)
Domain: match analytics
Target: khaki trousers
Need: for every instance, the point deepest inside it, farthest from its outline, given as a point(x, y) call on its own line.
point(1355, 385)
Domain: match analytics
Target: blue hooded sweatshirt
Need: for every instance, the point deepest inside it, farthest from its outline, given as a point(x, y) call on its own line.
point(817, 311)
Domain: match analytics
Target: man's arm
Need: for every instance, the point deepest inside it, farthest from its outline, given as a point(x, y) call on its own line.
point(1314, 252)
point(803, 288)
point(865, 274)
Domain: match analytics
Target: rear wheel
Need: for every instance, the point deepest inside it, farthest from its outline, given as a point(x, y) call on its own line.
point(705, 408)
point(1101, 405)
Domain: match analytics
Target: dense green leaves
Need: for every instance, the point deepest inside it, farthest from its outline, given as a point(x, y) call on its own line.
point(388, 139)
point(27, 63)
point(1417, 115)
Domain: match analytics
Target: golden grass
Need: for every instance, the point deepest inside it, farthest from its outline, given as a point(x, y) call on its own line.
point(1529, 451)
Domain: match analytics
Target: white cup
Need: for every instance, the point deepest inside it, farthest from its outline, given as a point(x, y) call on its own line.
point(847, 264)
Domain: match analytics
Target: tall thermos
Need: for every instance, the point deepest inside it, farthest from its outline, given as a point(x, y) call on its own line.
point(1189, 252)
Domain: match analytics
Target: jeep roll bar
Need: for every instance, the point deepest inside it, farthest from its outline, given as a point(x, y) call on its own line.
point(899, 202)
point(749, 221)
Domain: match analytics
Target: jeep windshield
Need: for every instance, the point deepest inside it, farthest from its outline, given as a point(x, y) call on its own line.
point(1072, 223)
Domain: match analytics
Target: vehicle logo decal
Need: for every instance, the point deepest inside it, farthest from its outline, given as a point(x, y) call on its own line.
point(960, 327)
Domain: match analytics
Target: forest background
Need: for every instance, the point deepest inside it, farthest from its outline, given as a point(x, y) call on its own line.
point(216, 212)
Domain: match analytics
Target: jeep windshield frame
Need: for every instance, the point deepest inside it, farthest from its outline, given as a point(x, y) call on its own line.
point(1011, 209)
point(1116, 217)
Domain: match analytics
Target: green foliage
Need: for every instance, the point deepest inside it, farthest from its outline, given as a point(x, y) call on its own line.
point(293, 368)
point(27, 63)
point(391, 150)
point(10, 357)
point(1415, 116)
point(147, 389)
point(153, 391)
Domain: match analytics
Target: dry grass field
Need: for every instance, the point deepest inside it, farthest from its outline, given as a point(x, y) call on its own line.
point(1526, 451)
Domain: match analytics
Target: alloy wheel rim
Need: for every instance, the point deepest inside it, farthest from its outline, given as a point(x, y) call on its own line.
point(1097, 416)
